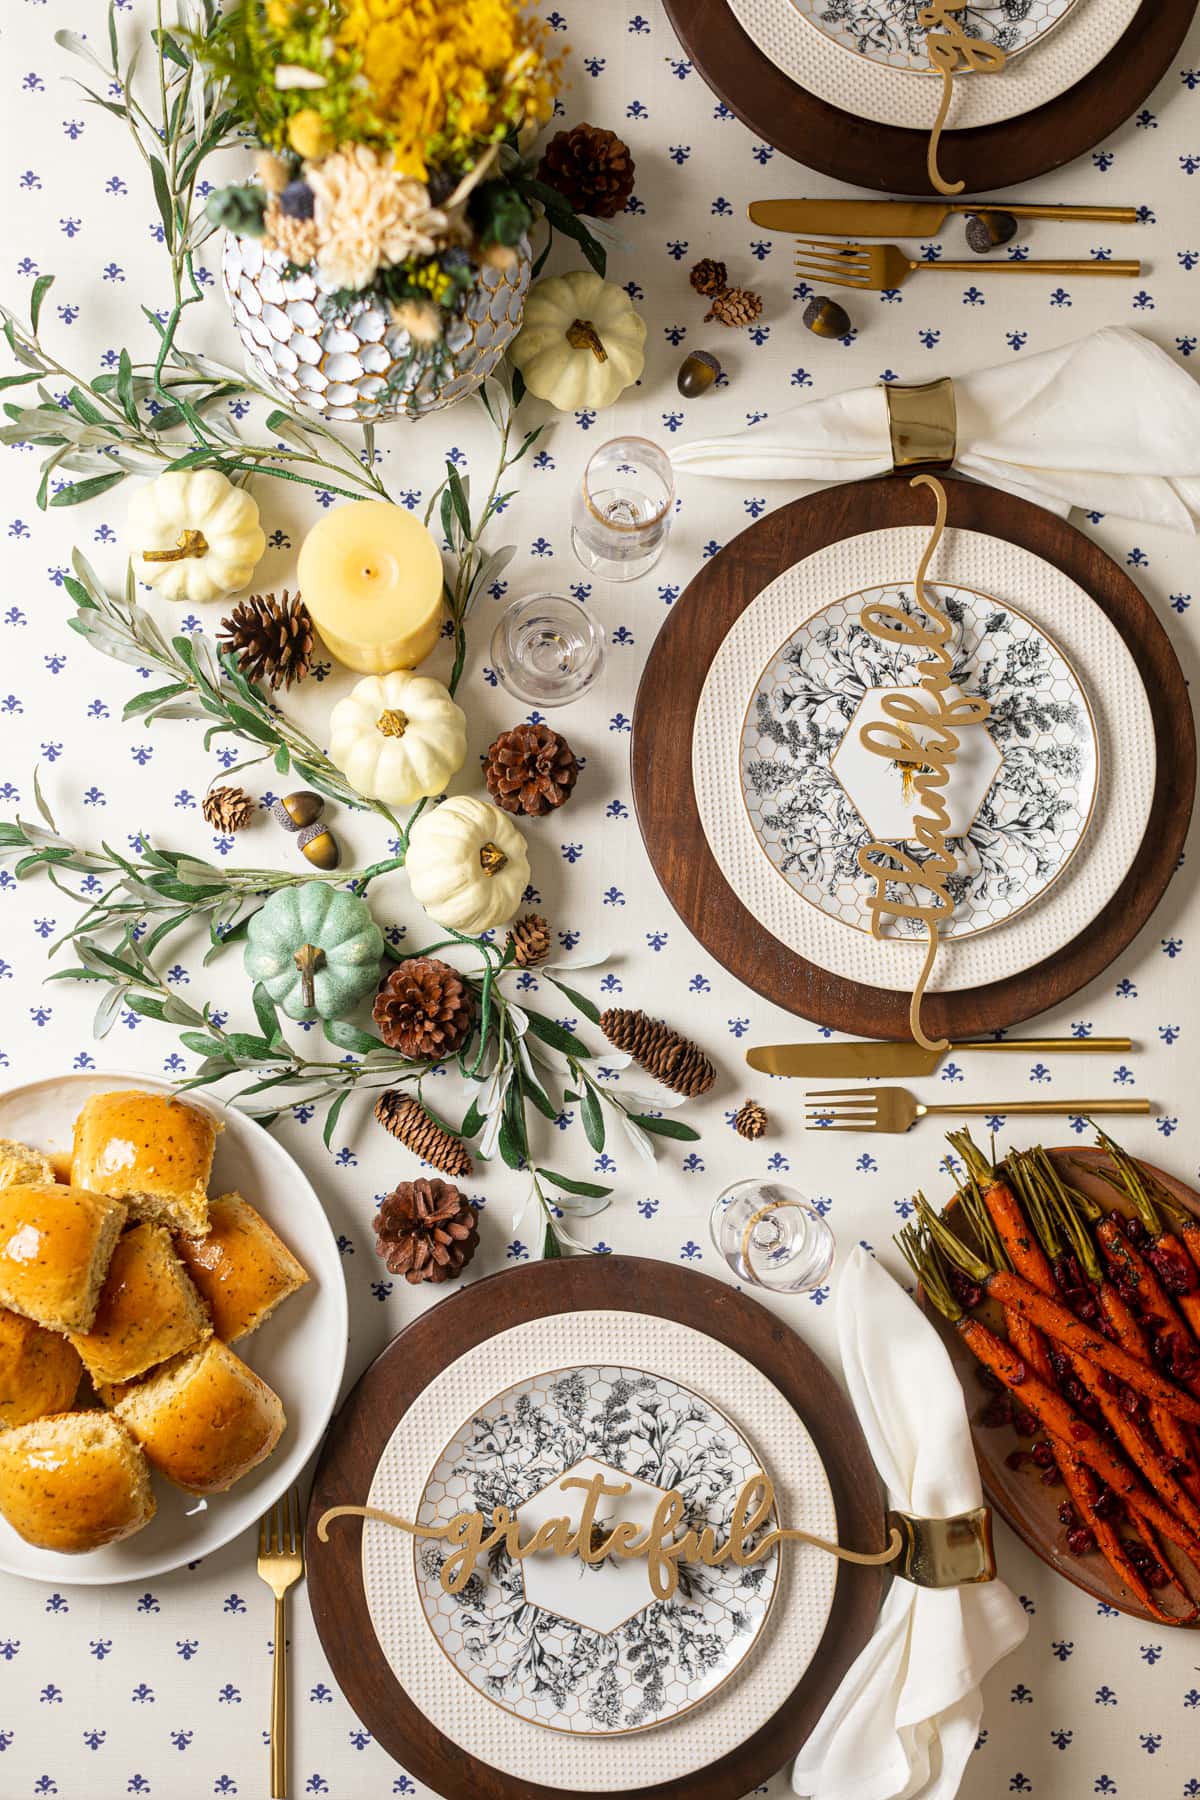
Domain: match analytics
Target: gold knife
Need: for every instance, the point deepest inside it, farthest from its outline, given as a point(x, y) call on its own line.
point(909, 218)
point(866, 1059)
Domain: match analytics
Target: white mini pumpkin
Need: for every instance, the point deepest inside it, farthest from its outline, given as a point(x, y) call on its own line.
point(398, 737)
point(581, 343)
point(194, 536)
point(467, 864)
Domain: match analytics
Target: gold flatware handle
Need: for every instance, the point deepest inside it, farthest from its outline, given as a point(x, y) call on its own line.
point(279, 1706)
point(1103, 1046)
point(1103, 215)
point(1068, 266)
point(1043, 1108)
point(909, 218)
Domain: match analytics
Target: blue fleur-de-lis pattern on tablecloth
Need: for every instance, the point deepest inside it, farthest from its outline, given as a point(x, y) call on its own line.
point(163, 1689)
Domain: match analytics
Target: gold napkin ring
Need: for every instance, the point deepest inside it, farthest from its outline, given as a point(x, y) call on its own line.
point(944, 1553)
point(923, 424)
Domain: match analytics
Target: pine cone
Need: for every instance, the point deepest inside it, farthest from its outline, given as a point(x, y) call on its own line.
point(736, 306)
point(530, 939)
point(407, 1120)
point(228, 808)
point(271, 639)
point(530, 769)
point(426, 1231)
point(709, 277)
point(669, 1056)
point(591, 168)
point(424, 1008)
point(750, 1120)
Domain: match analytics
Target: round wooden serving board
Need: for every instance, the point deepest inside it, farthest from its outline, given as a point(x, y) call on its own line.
point(665, 711)
point(891, 159)
point(1018, 1494)
point(449, 1330)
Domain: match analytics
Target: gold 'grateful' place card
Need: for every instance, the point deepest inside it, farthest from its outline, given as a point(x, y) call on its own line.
point(952, 1552)
point(950, 49)
point(926, 762)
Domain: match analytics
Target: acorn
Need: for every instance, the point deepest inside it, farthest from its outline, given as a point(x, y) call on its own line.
point(320, 846)
point(697, 373)
point(825, 317)
point(297, 810)
point(985, 230)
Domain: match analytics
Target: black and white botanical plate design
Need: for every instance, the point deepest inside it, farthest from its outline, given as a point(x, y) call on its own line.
point(580, 1649)
point(1020, 797)
point(890, 31)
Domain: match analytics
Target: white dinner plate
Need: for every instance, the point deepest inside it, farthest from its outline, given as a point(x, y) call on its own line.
point(300, 1351)
point(890, 31)
point(587, 1649)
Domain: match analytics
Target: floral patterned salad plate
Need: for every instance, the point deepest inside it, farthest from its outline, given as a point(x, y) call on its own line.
point(584, 1649)
point(1020, 796)
point(890, 31)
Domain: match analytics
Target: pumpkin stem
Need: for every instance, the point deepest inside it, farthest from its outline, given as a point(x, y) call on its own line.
point(188, 543)
point(491, 859)
point(308, 959)
point(392, 723)
point(582, 335)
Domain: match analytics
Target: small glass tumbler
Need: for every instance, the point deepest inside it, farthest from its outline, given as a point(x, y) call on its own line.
point(548, 649)
point(621, 515)
point(771, 1236)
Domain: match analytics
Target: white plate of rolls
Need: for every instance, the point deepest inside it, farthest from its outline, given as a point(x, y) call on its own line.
point(173, 1326)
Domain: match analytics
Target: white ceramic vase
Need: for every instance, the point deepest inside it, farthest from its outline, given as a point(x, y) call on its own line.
point(346, 366)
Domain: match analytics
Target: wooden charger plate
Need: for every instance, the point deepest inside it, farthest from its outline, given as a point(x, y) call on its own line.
point(1018, 1494)
point(891, 159)
point(665, 799)
point(466, 1322)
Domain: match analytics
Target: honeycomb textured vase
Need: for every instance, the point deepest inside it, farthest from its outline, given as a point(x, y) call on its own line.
point(339, 367)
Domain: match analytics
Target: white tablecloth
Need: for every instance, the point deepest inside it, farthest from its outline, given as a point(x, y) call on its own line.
point(107, 1692)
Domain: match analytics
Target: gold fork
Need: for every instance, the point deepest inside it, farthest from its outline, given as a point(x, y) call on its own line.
point(895, 1109)
point(281, 1564)
point(884, 266)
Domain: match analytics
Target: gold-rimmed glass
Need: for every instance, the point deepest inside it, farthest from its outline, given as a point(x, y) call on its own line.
point(621, 514)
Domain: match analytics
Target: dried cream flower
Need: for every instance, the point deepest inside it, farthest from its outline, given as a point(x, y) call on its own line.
point(367, 215)
point(295, 239)
point(420, 318)
point(272, 171)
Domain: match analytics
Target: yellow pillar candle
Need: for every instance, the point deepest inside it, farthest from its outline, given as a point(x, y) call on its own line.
point(371, 576)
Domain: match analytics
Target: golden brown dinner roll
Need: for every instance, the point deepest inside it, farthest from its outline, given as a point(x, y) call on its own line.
point(21, 1164)
point(149, 1309)
point(55, 1246)
point(204, 1420)
point(242, 1269)
point(74, 1481)
point(39, 1371)
point(150, 1150)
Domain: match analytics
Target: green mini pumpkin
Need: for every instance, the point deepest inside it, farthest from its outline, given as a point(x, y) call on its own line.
point(315, 949)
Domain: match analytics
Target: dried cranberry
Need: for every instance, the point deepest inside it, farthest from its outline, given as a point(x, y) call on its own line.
point(1043, 1455)
point(1016, 1459)
point(1081, 1432)
point(1107, 1381)
point(1080, 1541)
point(1051, 1478)
point(1134, 1230)
point(1107, 1504)
point(1131, 1402)
point(1024, 1423)
point(1067, 1514)
point(997, 1412)
point(968, 1293)
point(1174, 1276)
point(1019, 1373)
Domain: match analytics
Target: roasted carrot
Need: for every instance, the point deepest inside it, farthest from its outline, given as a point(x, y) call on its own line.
point(1014, 1229)
point(1142, 1453)
point(1062, 1327)
point(1081, 1485)
point(1054, 1210)
point(1173, 1341)
point(1066, 1427)
point(1162, 1248)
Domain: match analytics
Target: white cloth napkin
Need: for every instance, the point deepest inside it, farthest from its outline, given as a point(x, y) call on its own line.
point(906, 1716)
point(1110, 424)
